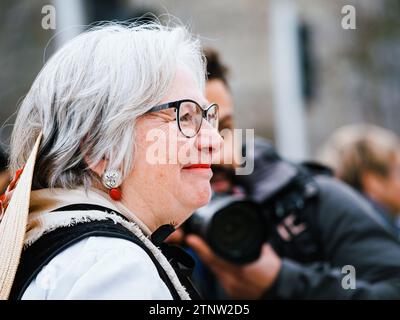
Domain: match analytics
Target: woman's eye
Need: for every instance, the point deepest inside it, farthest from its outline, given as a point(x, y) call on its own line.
point(185, 117)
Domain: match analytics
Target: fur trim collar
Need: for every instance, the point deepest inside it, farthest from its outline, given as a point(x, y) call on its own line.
point(42, 221)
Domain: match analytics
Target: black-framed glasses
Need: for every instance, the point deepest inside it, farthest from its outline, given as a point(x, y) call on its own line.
point(189, 115)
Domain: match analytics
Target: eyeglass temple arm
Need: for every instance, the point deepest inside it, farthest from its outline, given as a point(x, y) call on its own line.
point(161, 107)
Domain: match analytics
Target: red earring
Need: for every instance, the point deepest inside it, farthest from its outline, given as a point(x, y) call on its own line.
point(115, 194)
point(112, 180)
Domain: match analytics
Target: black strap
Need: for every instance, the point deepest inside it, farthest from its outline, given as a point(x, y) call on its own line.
point(50, 244)
point(87, 207)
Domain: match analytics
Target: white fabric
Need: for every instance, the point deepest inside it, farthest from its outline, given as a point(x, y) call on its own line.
point(96, 267)
point(99, 268)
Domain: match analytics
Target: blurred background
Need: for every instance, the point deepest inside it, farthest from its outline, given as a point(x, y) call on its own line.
point(295, 73)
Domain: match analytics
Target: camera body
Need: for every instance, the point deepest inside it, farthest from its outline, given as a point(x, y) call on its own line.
point(237, 226)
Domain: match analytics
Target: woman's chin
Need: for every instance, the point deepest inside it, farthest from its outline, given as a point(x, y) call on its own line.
point(200, 195)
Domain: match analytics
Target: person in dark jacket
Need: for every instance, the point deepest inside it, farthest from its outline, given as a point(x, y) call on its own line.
point(331, 245)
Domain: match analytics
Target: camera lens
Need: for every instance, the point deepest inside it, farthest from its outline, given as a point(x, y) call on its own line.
point(237, 232)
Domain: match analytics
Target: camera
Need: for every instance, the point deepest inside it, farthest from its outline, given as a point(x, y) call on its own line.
point(236, 226)
point(232, 225)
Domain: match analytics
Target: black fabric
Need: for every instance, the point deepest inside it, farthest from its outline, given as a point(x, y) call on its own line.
point(340, 229)
point(343, 230)
point(35, 257)
point(87, 207)
point(158, 236)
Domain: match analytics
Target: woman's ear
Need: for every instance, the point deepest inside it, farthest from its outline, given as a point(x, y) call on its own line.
point(97, 168)
point(372, 184)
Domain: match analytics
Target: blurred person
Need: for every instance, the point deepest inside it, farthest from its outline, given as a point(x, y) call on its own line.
point(310, 240)
point(99, 209)
point(367, 157)
point(217, 88)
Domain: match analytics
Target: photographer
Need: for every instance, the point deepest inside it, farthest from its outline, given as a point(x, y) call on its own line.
point(318, 230)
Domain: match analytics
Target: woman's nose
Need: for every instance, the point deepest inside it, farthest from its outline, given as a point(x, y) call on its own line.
point(208, 139)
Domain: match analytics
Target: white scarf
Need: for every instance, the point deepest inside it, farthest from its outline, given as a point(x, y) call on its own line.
point(41, 220)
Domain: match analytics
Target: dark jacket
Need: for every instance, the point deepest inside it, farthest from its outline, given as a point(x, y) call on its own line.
point(386, 219)
point(322, 236)
point(319, 239)
point(341, 229)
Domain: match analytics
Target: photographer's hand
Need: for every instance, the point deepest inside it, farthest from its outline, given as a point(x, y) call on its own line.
point(176, 237)
point(240, 282)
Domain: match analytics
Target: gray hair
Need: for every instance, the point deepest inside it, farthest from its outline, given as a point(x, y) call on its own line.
point(88, 95)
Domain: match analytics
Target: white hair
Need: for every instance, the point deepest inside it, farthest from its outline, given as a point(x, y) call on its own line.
point(88, 95)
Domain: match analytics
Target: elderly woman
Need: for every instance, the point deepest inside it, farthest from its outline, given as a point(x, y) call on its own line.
point(101, 202)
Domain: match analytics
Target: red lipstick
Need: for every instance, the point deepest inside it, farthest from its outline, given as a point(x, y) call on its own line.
point(198, 166)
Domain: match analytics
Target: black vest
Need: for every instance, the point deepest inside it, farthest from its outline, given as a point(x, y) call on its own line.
point(35, 257)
